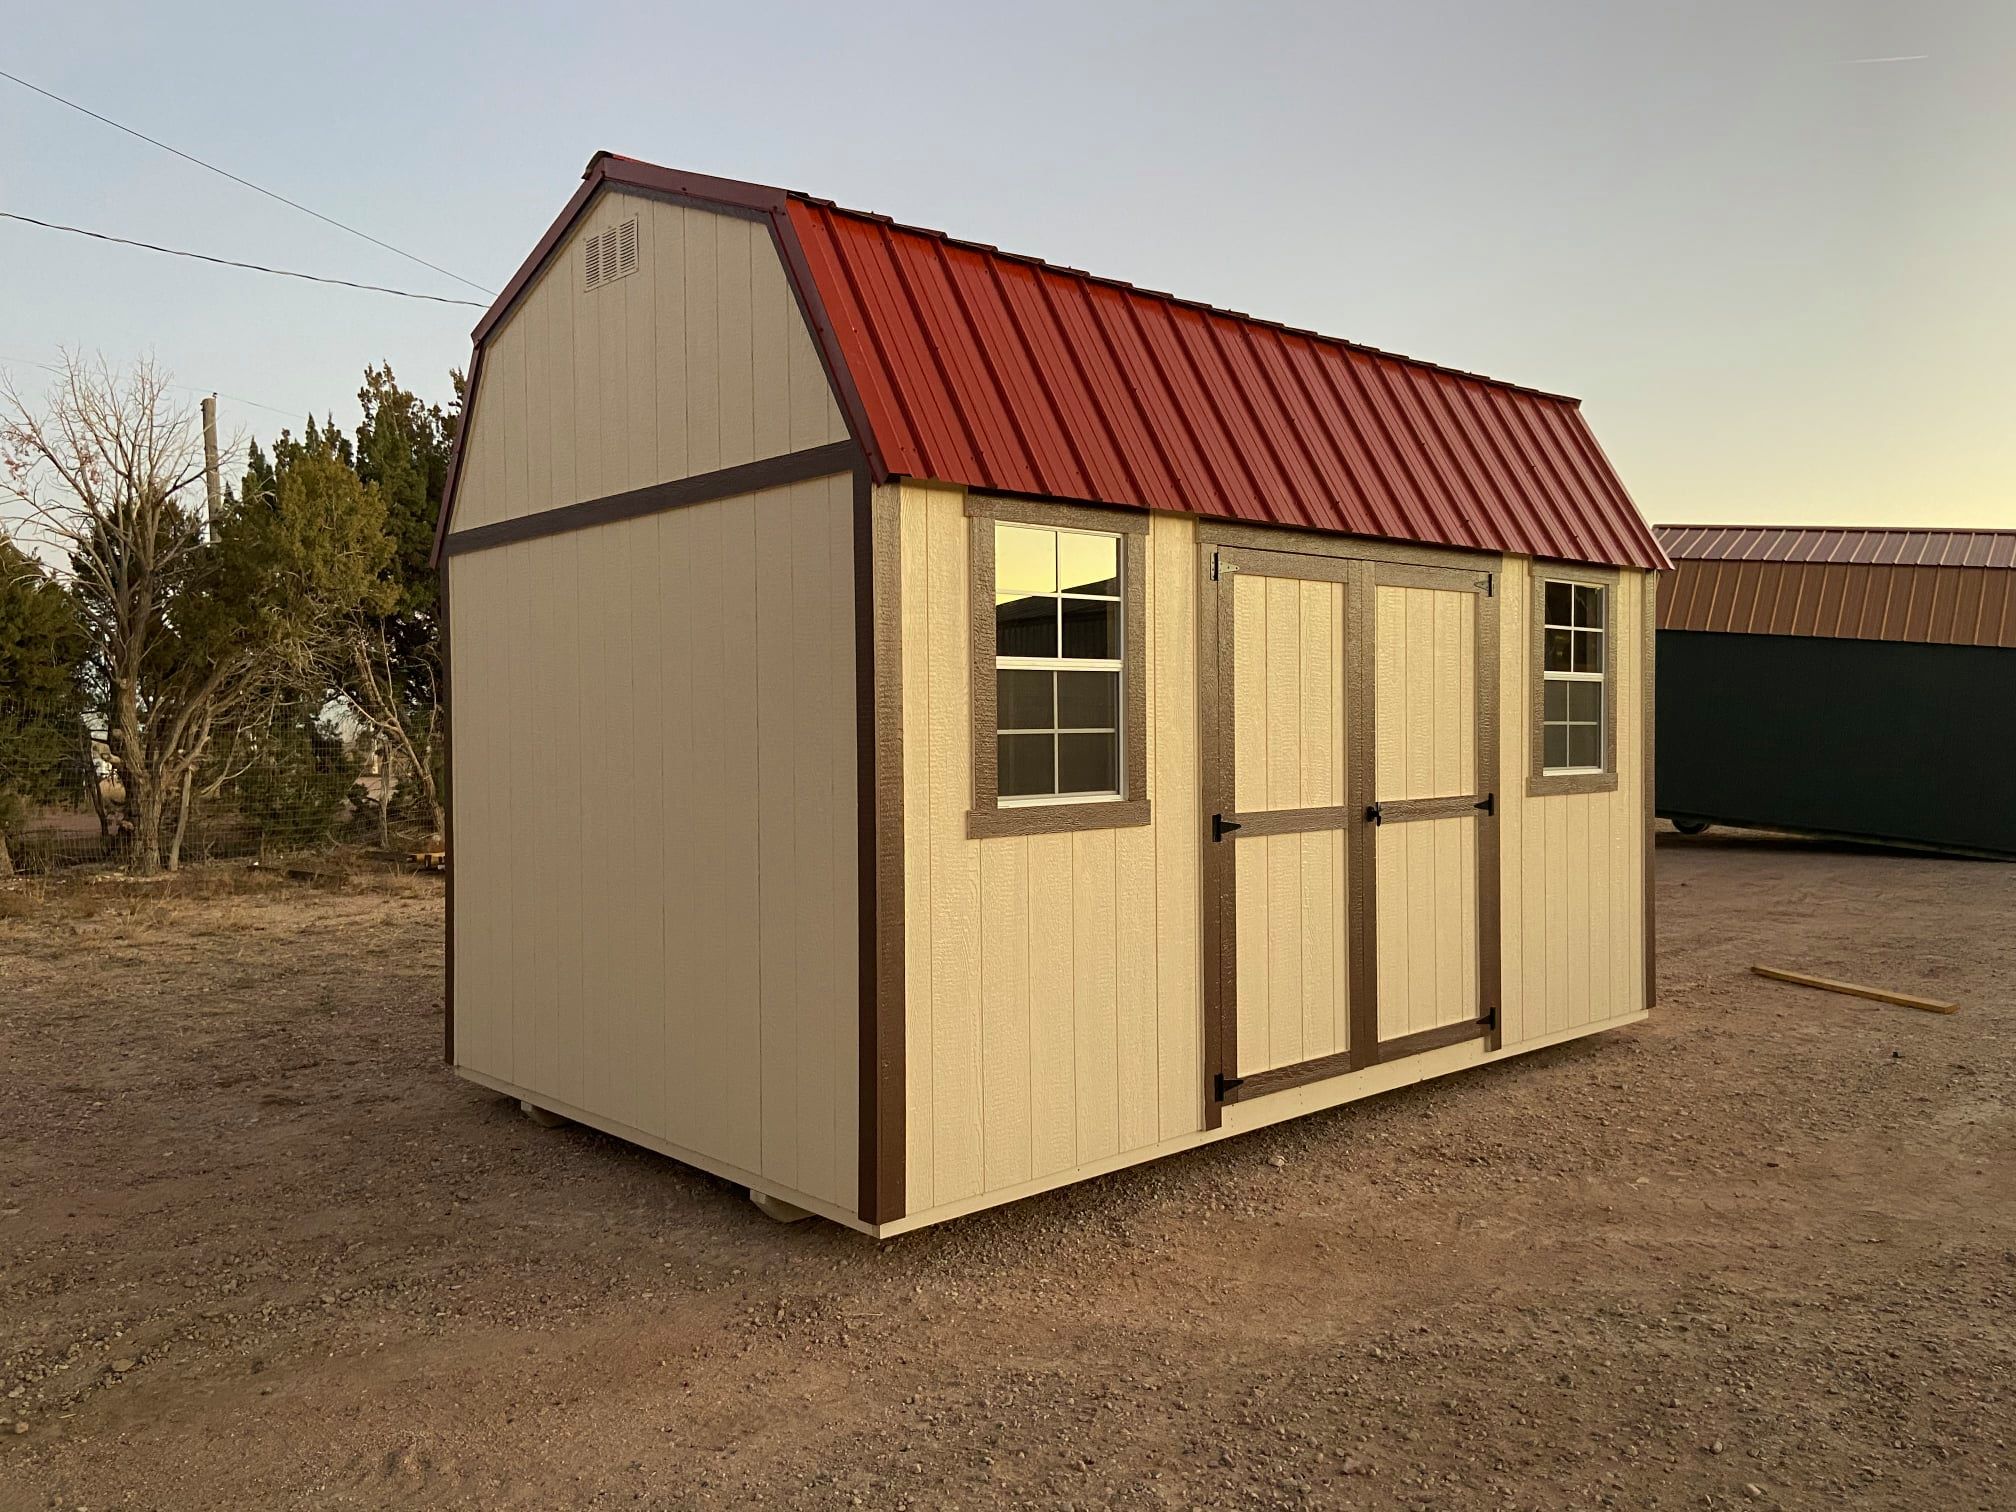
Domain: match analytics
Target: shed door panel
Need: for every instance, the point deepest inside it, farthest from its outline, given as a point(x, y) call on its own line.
point(1291, 889)
point(1434, 643)
point(1427, 926)
point(1426, 684)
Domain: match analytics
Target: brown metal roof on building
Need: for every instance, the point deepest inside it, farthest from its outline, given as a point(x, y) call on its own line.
point(1934, 587)
point(1887, 545)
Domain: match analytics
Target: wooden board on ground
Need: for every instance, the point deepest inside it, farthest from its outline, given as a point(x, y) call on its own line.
point(1880, 994)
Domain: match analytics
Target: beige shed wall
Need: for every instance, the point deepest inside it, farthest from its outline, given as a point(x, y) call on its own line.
point(1052, 1005)
point(699, 360)
point(655, 831)
point(1571, 866)
point(1053, 994)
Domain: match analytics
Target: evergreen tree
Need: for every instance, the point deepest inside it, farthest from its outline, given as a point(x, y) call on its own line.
point(392, 675)
point(42, 650)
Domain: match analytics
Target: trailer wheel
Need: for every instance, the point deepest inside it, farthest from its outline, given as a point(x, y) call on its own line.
point(776, 1209)
point(1690, 826)
point(540, 1116)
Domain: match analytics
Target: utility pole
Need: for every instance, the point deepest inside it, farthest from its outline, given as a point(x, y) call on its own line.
point(213, 497)
point(213, 488)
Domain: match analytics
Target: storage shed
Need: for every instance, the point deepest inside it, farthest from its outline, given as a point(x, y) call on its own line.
point(1851, 683)
point(931, 725)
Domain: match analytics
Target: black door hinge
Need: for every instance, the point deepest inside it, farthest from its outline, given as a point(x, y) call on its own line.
point(1214, 566)
point(1376, 814)
point(1488, 1018)
point(1224, 1084)
point(1221, 826)
point(1489, 805)
point(1485, 583)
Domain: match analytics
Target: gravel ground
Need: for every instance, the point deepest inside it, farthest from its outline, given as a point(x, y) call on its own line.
point(259, 1249)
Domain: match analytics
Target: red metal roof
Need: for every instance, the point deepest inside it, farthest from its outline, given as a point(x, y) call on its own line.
point(1002, 372)
point(960, 363)
point(1931, 587)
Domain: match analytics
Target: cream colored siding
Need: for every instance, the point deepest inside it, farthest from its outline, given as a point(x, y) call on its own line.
point(1427, 925)
point(1571, 891)
point(1425, 681)
point(1425, 736)
point(699, 360)
point(654, 787)
point(1288, 732)
point(1053, 992)
point(1052, 998)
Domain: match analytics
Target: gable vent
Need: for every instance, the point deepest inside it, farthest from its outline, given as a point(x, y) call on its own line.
point(610, 255)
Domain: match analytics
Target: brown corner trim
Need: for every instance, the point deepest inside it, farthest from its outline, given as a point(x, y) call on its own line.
point(878, 687)
point(1649, 717)
point(723, 483)
point(447, 825)
point(456, 447)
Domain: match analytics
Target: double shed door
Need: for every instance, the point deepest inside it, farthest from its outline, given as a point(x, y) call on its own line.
point(1350, 849)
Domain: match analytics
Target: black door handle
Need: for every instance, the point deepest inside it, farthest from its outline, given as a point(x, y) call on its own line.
point(1375, 814)
point(1220, 827)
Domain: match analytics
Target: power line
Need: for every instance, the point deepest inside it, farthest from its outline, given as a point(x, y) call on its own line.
point(226, 262)
point(50, 367)
point(256, 188)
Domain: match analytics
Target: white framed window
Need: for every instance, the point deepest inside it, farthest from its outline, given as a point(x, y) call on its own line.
point(1060, 658)
point(1575, 694)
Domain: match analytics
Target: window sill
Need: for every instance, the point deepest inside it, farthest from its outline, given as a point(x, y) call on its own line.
point(1056, 818)
point(1554, 784)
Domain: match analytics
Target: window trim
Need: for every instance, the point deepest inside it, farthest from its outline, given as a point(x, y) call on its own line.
point(1541, 783)
point(1061, 814)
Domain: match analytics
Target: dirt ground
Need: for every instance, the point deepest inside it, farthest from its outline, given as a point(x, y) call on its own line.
point(259, 1249)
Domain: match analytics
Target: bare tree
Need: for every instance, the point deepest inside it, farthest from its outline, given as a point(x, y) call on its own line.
point(400, 701)
point(186, 632)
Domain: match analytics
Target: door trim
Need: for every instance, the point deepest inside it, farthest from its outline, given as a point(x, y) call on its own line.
point(1217, 567)
point(1360, 567)
point(1489, 1022)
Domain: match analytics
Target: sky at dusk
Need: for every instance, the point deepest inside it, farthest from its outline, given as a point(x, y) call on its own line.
point(1768, 244)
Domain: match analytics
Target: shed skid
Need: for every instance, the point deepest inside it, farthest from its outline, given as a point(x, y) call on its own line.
point(916, 747)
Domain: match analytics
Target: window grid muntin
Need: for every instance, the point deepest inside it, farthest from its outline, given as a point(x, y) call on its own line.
point(1115, 666)
point(1579, 626)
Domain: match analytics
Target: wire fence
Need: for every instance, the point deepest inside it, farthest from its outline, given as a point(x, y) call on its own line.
point(301, 779)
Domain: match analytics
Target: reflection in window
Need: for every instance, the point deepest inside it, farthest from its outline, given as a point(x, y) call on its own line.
point(1057, 657)
point(1573, 695)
